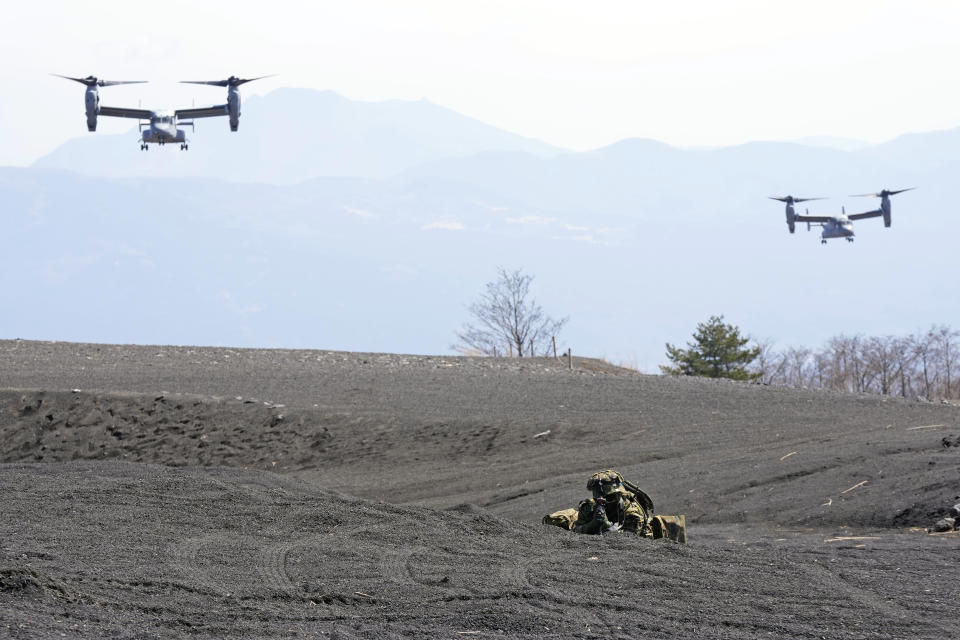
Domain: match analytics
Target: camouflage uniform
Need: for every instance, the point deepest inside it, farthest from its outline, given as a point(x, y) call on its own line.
point(614, 507)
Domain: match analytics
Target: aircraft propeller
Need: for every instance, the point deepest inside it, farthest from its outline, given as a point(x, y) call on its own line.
point(792, 200)
point(232, 81)
point(883, 194)
point(92, 81)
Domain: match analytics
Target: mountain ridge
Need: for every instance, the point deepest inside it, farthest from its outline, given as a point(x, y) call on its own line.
point(288, 132)
point(297, 134)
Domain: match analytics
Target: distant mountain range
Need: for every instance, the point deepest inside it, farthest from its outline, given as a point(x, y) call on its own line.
point(371, 226)
point(292, 135)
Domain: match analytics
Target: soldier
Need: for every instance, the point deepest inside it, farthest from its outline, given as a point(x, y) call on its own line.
point(618, 505)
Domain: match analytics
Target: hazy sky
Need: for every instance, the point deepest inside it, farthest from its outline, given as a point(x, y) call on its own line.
point(575, 74)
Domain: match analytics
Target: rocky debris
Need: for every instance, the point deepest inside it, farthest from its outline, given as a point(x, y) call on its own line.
point(950, 522)
point(173, 429)
point(945, 524)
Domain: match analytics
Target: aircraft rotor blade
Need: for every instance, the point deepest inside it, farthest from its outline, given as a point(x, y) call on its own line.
point(215, 83)
point(93, 80)
point(232, 81)
point(110, 83)
point(893, 193)
point(886, 192)
point(86, 81)
point(792, 199)
point(246, 80)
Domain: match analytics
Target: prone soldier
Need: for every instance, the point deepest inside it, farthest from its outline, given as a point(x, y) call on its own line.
point(618, 505)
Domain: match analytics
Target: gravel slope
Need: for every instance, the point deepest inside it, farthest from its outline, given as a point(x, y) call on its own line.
point(171, 491)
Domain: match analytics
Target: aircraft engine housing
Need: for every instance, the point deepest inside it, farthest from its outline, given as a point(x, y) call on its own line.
point(791, 219)
point(885, 207)
point(92, 102)
point(233, 108)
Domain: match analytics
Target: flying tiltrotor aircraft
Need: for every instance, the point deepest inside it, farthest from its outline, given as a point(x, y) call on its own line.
point(161, 126)
point(839, 226)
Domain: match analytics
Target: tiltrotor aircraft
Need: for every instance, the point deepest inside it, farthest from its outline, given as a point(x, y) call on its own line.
point(839, 226)
point(162, 126)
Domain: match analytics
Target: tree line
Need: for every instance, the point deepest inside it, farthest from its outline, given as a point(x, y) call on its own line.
point(920, 365)
point(924, 364)
point(506, 320)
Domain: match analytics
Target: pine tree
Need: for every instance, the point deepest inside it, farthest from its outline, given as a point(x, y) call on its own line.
point(717, 351)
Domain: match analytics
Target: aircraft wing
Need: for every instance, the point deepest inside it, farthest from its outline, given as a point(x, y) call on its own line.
point(868, 214)
point(812, 218)
point(122, 112)
point(203, 112)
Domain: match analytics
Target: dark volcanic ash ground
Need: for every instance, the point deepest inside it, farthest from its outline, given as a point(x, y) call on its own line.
point(210, 493)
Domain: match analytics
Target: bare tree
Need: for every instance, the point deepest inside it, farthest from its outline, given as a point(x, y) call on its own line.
point(507, 319)
point(769, 364)
point(881, 360)
point(948, 351)
point(924, 355)
point(841, 354)
point(799, 367)
point(863, 373)
point(822, 370)
point(903, 359)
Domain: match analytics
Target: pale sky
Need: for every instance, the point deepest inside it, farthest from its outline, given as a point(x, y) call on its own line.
point(577, 74)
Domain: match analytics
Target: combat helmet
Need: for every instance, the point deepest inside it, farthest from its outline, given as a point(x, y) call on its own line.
point(605, 484)
point(609, 484)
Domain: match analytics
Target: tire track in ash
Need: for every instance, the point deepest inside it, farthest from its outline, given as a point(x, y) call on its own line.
point(517, 575)
point(399, 566)
point(410, 566)
point(551, 600)
point(273, 567)
point(185, 558)
point(195, 559)
point(885, 609)
point(395, 566)
point(273, 559)
point(457, 574)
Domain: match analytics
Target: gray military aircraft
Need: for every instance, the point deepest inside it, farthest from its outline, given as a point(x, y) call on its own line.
point(839, 226)
point(162, 126)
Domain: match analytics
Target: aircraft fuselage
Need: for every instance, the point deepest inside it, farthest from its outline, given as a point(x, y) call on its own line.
point(838, 227)
point(163, 129)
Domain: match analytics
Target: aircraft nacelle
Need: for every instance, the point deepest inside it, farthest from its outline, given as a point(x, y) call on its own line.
point(233, 107)
point(92, 102)
point(791, 218)
point(886, 209)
